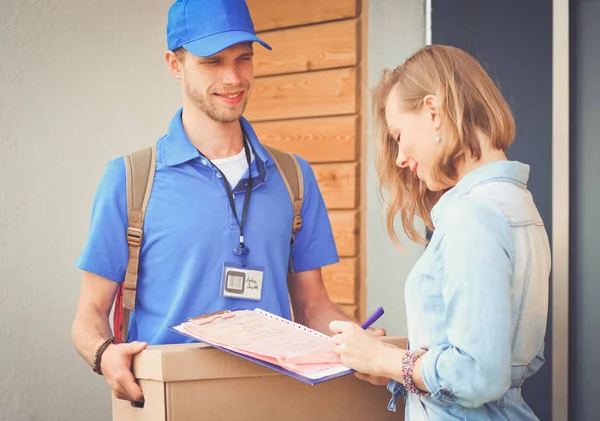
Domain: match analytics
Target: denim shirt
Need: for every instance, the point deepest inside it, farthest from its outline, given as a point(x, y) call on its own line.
point(477, 300)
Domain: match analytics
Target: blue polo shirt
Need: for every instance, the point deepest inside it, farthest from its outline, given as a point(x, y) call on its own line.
point(190, 231)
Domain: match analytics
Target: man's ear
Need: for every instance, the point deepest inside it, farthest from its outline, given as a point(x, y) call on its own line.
point(175, 66)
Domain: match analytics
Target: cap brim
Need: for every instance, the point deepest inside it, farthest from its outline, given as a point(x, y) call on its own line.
point(211, 45)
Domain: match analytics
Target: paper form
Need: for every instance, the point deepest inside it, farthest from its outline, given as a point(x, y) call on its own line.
point(260, 335)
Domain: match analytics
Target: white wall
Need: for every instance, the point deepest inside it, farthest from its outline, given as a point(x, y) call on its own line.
point(396, 30)
point(80, 83)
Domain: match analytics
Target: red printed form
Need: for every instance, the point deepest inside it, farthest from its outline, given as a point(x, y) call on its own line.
point(264, 336)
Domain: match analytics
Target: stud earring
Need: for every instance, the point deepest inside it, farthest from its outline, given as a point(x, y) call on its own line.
point(436, 139)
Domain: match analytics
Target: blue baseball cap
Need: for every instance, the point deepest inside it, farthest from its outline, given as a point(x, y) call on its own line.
point(205, 27)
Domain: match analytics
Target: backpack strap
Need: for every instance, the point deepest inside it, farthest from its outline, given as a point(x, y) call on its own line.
point(291, 173)
point(139, 168)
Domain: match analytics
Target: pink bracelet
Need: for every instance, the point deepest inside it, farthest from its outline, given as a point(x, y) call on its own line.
point(408, 364)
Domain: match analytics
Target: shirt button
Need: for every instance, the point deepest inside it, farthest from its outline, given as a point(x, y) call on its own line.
point(219, 175)
point(246, 184)
point(204, 162)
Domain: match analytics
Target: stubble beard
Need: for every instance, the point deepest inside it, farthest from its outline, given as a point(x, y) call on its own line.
point(215, 109)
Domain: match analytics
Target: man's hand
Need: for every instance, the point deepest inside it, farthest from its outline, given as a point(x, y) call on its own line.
point(311, 303)
point(376, 380)
point(116, 368)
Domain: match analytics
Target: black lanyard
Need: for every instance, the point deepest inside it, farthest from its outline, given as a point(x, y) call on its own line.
point(242, 249)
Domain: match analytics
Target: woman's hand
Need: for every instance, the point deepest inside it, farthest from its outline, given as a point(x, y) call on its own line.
point(377, 332)
point(358, 349)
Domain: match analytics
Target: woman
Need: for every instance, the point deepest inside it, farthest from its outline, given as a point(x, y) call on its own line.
point(477, 299)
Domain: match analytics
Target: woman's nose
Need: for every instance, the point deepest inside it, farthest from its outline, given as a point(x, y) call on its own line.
point(401, 160)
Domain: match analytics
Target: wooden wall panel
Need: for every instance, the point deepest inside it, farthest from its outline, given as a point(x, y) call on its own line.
point(345, 226)
point(338, 184)
point(307, 100)
point(341, 280)
point(272, 14)
point(325, 139)
point(315, 47)
point(351, 311)
point(312, 94)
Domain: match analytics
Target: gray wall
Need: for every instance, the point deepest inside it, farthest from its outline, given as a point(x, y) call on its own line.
point(396, 30)
point(585, 208)
point(80, 83)
point(513, 41)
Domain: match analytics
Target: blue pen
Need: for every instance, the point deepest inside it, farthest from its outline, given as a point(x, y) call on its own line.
point(373, 318)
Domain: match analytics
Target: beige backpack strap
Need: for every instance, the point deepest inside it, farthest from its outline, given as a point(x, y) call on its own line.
point(140, 167)
point(291, 173)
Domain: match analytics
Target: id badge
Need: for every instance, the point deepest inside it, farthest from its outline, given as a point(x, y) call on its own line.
point(245, 283)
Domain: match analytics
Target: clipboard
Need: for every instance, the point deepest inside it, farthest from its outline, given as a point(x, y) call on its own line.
point(234, 332)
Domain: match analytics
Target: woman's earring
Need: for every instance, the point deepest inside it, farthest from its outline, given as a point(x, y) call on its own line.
point(436, 139)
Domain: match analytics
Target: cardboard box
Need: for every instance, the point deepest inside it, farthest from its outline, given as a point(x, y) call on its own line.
point(192, 382)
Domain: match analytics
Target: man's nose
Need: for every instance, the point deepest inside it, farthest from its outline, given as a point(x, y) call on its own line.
point(231, 75)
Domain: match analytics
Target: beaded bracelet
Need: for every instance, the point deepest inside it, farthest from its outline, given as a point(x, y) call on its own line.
point(98, 354)
point(408, 364)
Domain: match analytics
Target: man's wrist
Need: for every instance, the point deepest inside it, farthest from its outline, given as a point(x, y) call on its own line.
point(97, 360)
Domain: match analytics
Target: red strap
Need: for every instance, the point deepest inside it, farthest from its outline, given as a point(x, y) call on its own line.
point(118, 314)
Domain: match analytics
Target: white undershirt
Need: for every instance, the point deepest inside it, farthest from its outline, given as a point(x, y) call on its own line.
point(234, 166)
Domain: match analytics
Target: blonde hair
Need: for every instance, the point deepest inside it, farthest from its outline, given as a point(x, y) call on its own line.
point(468, 103)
